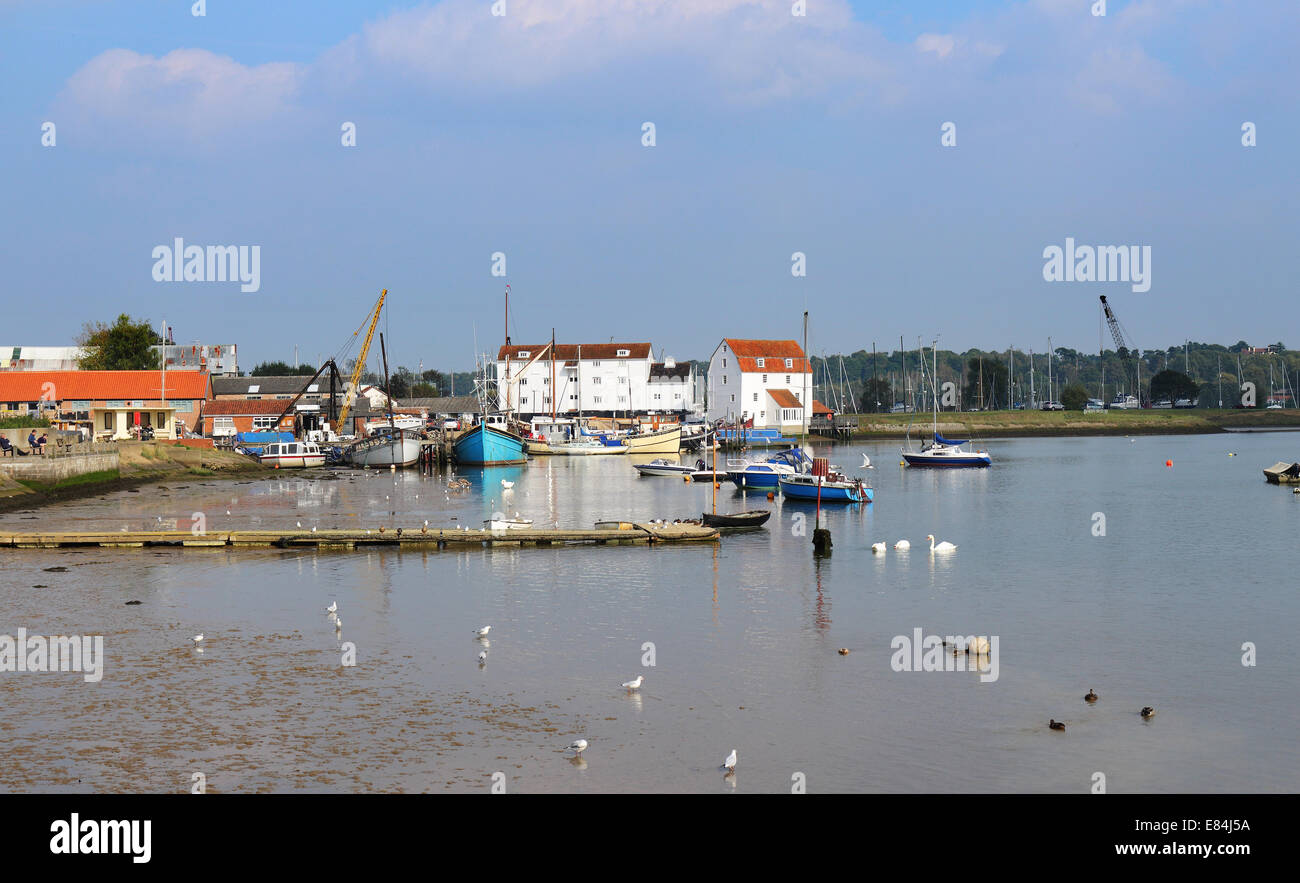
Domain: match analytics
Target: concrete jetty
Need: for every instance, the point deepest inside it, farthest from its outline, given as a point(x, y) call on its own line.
point(416, 538)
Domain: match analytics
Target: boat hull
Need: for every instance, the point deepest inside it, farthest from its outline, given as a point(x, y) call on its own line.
point(948, 461)
point(831, 492)
point(485, 445)
point(397, 452)
point(664, 441)
point(295, 461)
point(753, 518)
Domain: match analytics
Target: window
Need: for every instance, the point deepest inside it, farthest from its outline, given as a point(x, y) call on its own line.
point(755, 396)
point(596, 399)
point(222, 425)
point(787, 380)
point(656, 397)
point(623, 380)
point(256, 387)
point(724, 379)
point(789, 363)
point(678, 396)
point(622, 398)
point(523, 381)
point(162, 419)
point(765, 378)
point(799, 396)
point(523, 354)
point(573, 397)
point(315, 387)
point(546, 381)
point(733, 398)
point(109, 419)
point(760, 362)
point(724, 363)
point(263, 423)
point(595, 380)
point(595, 364)
point(546, 401)
point(254, 398)
point(623, 354)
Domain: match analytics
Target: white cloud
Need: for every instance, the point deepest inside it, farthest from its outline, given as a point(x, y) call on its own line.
point(188, 93)
point(940, 44)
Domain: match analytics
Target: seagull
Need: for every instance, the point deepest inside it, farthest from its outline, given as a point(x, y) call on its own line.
point(160, 519)
point(299, 524)
point(866, 462)
point(942, 547)
point(196, 639)
point(482, 633)
point(578, 746)
point(338, 623)
point(878, 548)
point(482, 658)
point(902, 545)
point(634, 684)
point(227, 511)
point(313, 528)
point(333, 608)
point(730, 762)
point(506, 485)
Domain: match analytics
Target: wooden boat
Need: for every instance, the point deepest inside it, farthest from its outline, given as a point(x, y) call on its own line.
point(752, 518)
point(662, 441)
point(586, 449)
point(487, 445)
point(292, 455)
point(396, 447)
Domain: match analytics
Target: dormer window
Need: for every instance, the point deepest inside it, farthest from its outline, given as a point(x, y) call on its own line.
point(761, 362)
point(256, 387)
point(623, 354)
point(523, 354)
point(789, 363)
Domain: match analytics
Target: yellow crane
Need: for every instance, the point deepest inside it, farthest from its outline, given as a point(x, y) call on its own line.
point(361, 365)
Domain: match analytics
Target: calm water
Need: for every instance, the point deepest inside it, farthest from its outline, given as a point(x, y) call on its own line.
point(1197, 559)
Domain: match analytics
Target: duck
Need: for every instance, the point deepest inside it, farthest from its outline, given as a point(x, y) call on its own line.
point(1091, 697)
point(844, 651)
point(1148, 712)
point(941, 547)
point(878, 548)
point(902, 545)
point(1056, 725)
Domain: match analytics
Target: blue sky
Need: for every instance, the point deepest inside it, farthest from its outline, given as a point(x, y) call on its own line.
point(775, 134)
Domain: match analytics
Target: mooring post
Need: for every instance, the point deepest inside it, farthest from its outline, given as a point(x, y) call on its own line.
point(821, 535)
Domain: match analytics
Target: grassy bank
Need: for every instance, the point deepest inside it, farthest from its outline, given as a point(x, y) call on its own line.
point(139, 463)
point(1010, 424)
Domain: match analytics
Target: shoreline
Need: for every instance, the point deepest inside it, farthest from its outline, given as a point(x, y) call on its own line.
point(1066, 424)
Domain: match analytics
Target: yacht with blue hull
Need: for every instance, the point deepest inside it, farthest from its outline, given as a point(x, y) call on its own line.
point(766, 474)
point(942, 452)
point(485, 445)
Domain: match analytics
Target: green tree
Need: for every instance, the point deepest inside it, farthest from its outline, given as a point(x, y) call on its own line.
point(1074, 397)
point(876, 396)
point(282, 369)
point(988, 374)
point(1173, 385)
point(123, 346)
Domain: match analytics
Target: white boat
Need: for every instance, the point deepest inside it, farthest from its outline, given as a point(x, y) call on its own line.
point(1123, 402)
point(292, 455)
point(398, 447)
point(586, 449)
point(940, 451)
point(666, 440)
point(508, 523)
point(414, 423)
point(662, 466)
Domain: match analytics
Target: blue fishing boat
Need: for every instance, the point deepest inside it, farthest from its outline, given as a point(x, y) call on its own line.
point(484, 445)
point(834, 488)
point(765, 474)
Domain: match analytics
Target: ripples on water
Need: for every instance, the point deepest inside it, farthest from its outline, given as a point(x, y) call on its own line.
point(745, 634)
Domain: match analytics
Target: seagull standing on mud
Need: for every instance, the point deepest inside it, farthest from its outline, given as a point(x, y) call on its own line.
point(482, 633)
point(730, 763)
point(634, 684)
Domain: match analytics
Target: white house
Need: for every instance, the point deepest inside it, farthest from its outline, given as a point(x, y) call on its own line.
point(767, 381)
point(672, 387)
point(605, 379)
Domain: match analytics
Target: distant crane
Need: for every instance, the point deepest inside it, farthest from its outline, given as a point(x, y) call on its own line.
point(1117, 333)
point(351, 394)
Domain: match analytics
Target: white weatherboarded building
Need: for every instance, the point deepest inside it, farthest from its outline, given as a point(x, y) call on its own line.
point(597, 379)
point(767, 381)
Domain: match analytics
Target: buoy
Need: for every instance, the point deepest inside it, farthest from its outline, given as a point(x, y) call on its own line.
point(717, 485)
point(686, 478)
point(277, 465)
point(1169, 463)
point(771, 495)
point(902, 462)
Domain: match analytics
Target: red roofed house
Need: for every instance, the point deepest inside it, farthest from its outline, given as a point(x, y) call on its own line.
point(767, 381)
point(107, 404)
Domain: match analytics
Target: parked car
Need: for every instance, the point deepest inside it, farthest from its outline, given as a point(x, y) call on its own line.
point(1053, 406)
point(452, 425)
point(1184, 403)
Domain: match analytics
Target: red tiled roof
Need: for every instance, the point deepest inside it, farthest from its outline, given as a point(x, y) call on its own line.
point(30, 386)
point(819, 408)
point(569, 351)
point(244, 407)
point(784, 398)
point(773, 352)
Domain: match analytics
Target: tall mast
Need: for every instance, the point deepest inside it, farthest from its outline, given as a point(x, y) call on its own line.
point(807, 403)
point(553, 378)
point(507, 409)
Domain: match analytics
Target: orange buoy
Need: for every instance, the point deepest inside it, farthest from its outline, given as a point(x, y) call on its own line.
point(686, 478)
point(1169, 463)
point(771, 495)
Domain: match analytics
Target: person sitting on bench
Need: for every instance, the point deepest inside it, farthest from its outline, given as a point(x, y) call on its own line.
point(6, 447)
point(40, 444)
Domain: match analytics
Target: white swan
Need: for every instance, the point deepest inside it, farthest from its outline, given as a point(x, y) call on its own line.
point(902, 545)
point(878, 548)
point(942, 547)
point(507, 485)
